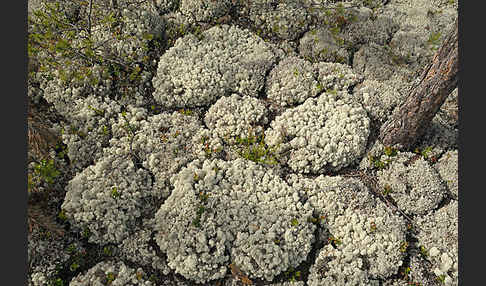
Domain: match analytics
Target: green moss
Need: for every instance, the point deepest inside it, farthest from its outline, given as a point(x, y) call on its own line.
point(424, 251)
point(376, 162)
point(74, 266)
point(390, 152)
point(147, 36)
point(71, 249)
point(105, 130)
point(294, 222)
point(108, 250)
point(110, 277)
point(155, 279)
point(292, 275)
point(323, 53)
point(114, 193)
point(98, 112)
point(441, 278)
point(57, 282)
point(434, 40)
point(86, 233)
point(253, 148)
point(201, 210)
point(425, 152)
point(62, 216)
point(203, 197)
point(46, 170)
point(335, 30)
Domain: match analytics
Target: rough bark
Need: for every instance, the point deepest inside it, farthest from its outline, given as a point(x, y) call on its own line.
point(410, 121)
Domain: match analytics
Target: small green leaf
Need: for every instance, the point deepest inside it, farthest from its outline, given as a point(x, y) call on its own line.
point(71, 248)
point(62, 215)
point(148, 36)
point(114, 193)
point(110, 277)
point(74, 266)
point(201, 210)
point(389, 151)
point(57, 282)
point(107, 250)
point(423, 251)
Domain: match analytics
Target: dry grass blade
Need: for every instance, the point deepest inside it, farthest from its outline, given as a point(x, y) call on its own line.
point(37, 217)
point(40, 138)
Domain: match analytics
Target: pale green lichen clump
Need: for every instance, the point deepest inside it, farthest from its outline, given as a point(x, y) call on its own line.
point(163, 143)
point(204, 11)
point(364, 235)
point(197, 72)
point(232, 212)
point(106, 199)
point(291, 82)
point(323, 134)
point(438, 235)
point(236, 116)
point(416, 187)
point(111, 273)
point(447, 167)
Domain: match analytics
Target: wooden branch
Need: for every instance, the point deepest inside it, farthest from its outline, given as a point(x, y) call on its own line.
point(410, 121)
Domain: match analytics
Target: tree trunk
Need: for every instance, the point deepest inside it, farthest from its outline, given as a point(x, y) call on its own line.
point(410, 121)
